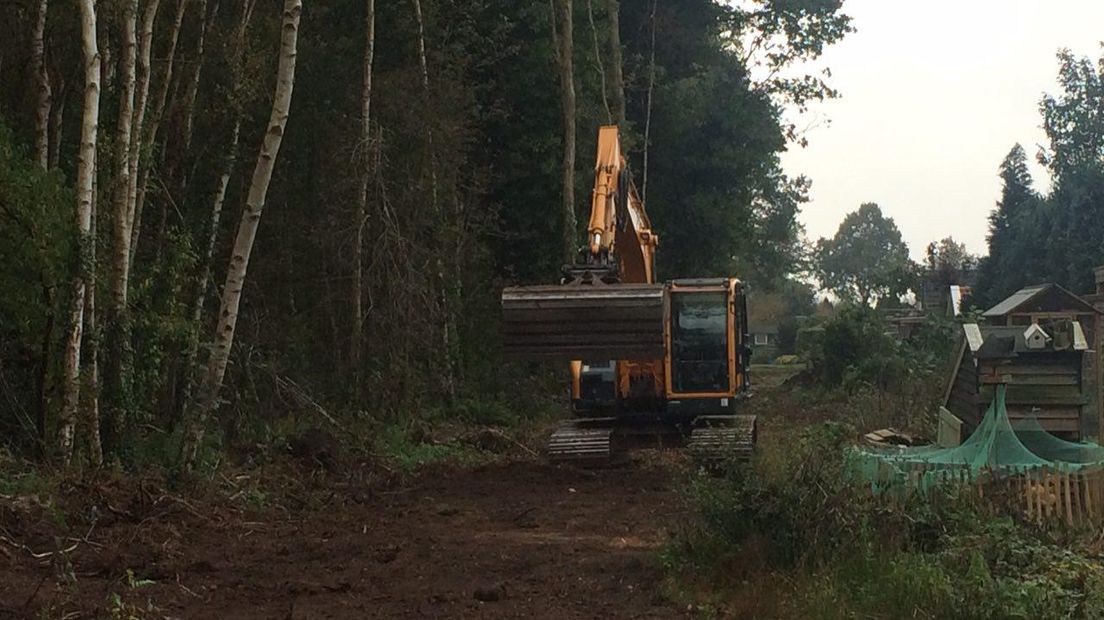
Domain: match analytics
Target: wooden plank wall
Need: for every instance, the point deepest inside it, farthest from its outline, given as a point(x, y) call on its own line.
point(1048, 386)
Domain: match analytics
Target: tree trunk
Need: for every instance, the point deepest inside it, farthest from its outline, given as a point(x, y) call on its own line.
point(42, 96)
point(177, 172)
point(648, 112)
point(85, 174)
point(448, 327)
point(57, 122)
point(137, 143)
point(615, 63)
point(598, 60)
point(211, 385)
point(361, 216)
point(149, 134)
point(567, 100)
point(90, 420)
point(190, 369)
point(118, 346)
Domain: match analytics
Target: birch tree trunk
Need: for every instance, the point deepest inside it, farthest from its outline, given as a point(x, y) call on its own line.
point(207, 398)
point(191, 362)
point(361, 216)
point(148, 135)
point(448, 327)
point(42, 96)
point(85, 173)
point(57, 122)
point(118, 346)
point(176, 171)
point(567, 100)
point(90, 418)
point(137, 143)
point(215, 217)
point(615, 62)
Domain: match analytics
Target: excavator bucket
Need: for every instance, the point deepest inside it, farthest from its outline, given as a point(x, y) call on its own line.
point(583, 322)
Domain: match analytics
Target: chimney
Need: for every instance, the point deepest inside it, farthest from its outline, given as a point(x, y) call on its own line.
point(1099, 272)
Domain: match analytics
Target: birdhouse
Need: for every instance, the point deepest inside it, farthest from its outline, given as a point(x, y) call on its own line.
point(1035, 338)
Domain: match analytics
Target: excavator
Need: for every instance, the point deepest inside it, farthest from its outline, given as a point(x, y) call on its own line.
point(662, 364)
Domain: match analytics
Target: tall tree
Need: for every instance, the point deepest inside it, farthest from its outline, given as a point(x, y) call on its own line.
point(86, 162)
point(565, 49)
point(119, 354)
point(360, 219)
point(866, 260)
point(42, 85)
point(207, 398)
point(616, 64)
point(1006, 268)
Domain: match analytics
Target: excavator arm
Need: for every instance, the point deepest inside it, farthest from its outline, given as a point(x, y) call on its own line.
point(619, 232)
point(609, 306)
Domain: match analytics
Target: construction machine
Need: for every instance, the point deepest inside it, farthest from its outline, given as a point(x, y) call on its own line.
point(655, 363)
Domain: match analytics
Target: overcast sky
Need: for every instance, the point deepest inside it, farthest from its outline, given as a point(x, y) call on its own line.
point(934, 94)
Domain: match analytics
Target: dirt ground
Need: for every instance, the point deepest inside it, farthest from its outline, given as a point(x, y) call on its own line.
point(529, 539)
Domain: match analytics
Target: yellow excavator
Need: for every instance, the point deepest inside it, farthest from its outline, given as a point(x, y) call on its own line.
point(653, 363)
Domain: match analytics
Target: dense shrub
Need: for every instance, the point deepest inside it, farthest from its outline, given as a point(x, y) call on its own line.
point(842, 553)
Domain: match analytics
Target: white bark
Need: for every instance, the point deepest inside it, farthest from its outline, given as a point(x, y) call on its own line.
point(90, 418)
point(357, 346)
point(123, 156)
point(137, 143)
point(213, 220)
point(85, 173)
point(211, 385)
point(42, 102)
point(139, 183)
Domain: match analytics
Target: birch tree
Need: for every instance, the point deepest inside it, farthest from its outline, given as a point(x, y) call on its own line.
point(85, 174)
point(117, 320)
point(42, 84)
point(208, 394)
point(361, 216)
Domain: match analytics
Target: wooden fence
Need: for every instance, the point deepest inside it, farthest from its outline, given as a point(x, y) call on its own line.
point(1058, 494)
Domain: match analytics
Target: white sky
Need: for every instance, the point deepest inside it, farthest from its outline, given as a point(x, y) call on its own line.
point(934, 94)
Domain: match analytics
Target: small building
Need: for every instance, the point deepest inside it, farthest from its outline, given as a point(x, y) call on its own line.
point(1042, 369)
point(1037, 343)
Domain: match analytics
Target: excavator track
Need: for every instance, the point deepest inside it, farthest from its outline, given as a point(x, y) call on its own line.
point(721, 439)
point(575, 443)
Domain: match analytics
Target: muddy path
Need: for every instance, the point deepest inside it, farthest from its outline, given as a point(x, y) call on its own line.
point(516, 540)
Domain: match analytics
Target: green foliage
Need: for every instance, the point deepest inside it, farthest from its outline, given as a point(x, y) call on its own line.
point(408, 448)
point(37, 250)
point(1055, 237)
point(842, 554)
point(855, 348)
point(866, 260)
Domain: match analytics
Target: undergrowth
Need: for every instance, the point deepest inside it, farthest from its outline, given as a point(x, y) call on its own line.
point(793, 536)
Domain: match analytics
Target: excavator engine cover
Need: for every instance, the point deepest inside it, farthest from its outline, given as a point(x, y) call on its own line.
point(583, 322)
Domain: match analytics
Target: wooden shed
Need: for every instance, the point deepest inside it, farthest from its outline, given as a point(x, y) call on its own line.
point(1043, 370)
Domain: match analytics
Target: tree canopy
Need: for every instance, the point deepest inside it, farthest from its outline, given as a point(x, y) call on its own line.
point(866, 260)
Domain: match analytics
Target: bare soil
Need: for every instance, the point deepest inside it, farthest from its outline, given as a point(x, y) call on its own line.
point(511, 540)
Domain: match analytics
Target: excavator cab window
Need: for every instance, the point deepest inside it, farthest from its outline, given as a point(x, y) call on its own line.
point(699, 342)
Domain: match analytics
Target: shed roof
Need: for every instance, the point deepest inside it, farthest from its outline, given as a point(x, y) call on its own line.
point(990, 342)
point(1040, 297)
